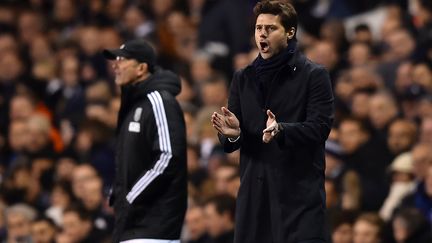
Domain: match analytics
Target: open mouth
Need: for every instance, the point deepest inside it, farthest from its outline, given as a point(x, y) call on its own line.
point(264, 46)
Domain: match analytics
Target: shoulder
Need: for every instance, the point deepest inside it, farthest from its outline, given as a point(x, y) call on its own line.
point(314, 67)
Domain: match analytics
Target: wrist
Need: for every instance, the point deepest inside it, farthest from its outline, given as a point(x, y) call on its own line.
point(235, 138)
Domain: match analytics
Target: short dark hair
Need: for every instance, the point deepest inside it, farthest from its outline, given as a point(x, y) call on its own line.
point(223, 203)
point(80, 211)
point(281, 8)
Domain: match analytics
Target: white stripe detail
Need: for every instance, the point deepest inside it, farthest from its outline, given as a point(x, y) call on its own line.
point(150, 241)
point(164, 145)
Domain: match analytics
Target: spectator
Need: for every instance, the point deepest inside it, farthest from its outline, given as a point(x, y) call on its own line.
point(421, 198)
point(43, 230)
point(342, 227)
point(367, 157)
point(222, 177)
point(18, 223)
point(220, 211)
point(402, 135)
point(195, 224)
point(78, 226)
point(382, 111)
point(422, 157)
point(410, 226)
point(402, 184)
point(368, 228)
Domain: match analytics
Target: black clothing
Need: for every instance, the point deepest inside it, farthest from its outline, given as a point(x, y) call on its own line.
point(370, 162)
point(226, 237)
point(281, 198)
point(150, 185)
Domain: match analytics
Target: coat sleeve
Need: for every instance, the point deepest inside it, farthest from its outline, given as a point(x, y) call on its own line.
point(319, 114)
point(167, 145)
point(234, 107)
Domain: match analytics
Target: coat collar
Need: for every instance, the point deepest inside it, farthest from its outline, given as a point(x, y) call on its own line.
point(294, 65)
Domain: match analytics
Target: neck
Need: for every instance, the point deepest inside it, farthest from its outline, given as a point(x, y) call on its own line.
point(141, 78)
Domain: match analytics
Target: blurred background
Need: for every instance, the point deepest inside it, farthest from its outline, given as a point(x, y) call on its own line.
point(59, 104)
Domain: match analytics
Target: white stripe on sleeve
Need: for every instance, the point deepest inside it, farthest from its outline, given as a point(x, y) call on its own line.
point(164, 145)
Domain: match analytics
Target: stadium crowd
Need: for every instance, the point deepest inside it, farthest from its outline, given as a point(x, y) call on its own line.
point(59, 104)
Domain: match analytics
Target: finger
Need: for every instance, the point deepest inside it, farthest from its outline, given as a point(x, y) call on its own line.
point(218, 122)
point(270, 114)
point(218, 129)
point(218, 118)
point(268, 129)
point(225, 111)
point(265, 138)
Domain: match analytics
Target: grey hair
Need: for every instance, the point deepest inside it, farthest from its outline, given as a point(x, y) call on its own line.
point(23, 209)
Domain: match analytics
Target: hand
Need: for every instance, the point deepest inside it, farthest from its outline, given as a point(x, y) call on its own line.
point(226, 123)
point(272, 127)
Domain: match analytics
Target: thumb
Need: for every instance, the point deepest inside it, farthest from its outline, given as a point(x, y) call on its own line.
point(225, 111)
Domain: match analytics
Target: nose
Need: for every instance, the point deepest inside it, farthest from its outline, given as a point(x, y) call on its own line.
point(263, 32)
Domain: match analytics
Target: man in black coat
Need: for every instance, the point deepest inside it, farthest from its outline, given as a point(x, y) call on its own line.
point(150, 188)
point(279, 114)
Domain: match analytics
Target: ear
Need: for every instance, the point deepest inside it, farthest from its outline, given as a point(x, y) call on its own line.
point(291, 33)
point(142, 68)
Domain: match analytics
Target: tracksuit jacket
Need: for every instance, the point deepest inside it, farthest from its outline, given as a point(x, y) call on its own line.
point(281, 197)
point(150, 189)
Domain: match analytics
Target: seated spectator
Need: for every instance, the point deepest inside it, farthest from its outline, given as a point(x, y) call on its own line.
point(195, 224)
point(78, 226)
point(368, 228)
point(18, 223)
point(60, 199)
point(222, 176)
point(342, 227)
point(422, 196)
point(43, 230)
point(220, 211)
point(402, 184)
point(382, 111)
point(426, 130)
point(368, 158)
point(410, 226)
point(422, 157)
point(402, 135)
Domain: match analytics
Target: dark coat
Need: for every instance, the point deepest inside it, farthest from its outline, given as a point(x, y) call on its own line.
point(281, 197)
point(150, 188)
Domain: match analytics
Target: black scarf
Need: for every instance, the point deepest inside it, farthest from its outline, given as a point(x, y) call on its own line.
point(266, 69)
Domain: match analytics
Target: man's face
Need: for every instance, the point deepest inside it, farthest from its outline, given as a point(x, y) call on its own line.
point(125, 70)
point(42, 232)
point(18, 226)
point(381, 111)
point(222, 177)
point(364, 232)
point(343, 234)
point(215, 222)
point(270, 36)
point(195, 222)
point(74, 227)
point(420, 156)
point(400, 137)
point(351, 136)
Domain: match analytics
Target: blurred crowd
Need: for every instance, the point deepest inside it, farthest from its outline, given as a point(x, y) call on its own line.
point(59, 104)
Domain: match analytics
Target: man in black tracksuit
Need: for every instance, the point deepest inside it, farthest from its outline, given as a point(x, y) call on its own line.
point(149, 192)
point(279, 114)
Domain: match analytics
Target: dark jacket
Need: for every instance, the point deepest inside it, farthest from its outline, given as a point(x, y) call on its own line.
point(150, 185)
point(281, 198)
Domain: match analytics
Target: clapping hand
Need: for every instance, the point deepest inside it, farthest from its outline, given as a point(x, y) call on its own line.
point(272, 127)
point(226, 123)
